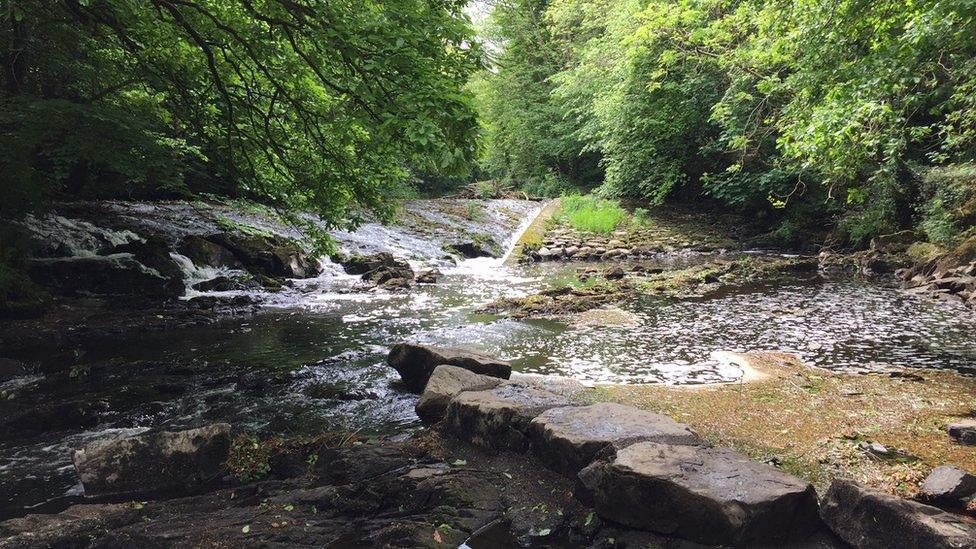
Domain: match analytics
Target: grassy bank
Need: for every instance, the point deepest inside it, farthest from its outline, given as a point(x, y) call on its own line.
point(811, 422)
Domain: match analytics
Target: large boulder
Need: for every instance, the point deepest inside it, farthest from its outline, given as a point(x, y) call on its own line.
point(479, 248)
point(871, 519)
point(398, 275)
point(153, 462)
point(361, 264)
point(707, 495)
point(499, 417)
point(568, 439)
point(415, 363)
point(153, 252)
point(118, 274)
point(204, 253)
point(948, 485)
point(444, 384)
point(269, 255)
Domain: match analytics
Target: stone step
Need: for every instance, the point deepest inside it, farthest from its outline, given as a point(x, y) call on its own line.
point(871, 519)
point(444, 384)
point(500, 417)
point(706, 495)
point(416, 363)
point(568, 439)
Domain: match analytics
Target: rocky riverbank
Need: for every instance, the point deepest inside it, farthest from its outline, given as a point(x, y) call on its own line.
point(507, 463)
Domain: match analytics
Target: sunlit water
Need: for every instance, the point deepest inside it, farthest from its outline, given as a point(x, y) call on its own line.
point(316, 359)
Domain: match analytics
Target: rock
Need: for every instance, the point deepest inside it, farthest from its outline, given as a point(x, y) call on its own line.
point(472, 249)
point(153, 462)
point(569, 439)
point(500, 417)
point(893, 243)
point(956, 284)
point(444, 384)
point(153, 252)
point(269, 255)
point(871, 519)
point(708, 495)
point(362, 264)
point(875, 448)
point(386, 274)
point(429, 276)
point(613, 273)
point(415, 363)
point(963, 431)
point(222, 284)
point(119, 274)
point(948, 484)
point(205, 253)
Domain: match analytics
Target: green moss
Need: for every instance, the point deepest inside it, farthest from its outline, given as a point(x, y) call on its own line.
point(237, 226)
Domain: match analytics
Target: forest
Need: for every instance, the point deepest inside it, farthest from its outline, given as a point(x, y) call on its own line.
point(488, 273)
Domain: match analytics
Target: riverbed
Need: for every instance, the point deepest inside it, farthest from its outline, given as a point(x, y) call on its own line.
point(314, 358)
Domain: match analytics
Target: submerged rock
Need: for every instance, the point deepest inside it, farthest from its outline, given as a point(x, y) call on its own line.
point(153, 462)
point(429, 276)
point(473, 249)
point(416, 363)
point(569, 439)
point(499, 417)
point(708, 495)
point(444, 384)
point(871, 519)
point(948, 485)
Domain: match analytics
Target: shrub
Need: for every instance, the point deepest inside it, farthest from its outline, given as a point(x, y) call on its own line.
point(589, 213)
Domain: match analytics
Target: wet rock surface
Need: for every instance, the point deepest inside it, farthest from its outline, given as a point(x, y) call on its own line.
point(416, 363)
point(444, 384)
point(871, 519)
point(156, 462)
point(119, 274)
point(708, 495)
point(568, 439)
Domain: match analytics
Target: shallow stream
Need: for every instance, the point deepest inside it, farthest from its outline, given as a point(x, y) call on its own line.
point(315, 359)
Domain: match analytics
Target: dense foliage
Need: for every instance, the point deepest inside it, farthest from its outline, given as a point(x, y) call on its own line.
point(307, 104)
point(802, 109)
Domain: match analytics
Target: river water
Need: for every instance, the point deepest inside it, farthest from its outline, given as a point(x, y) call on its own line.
point(314, 359)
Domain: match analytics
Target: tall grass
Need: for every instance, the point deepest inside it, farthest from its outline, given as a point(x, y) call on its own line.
point(589, 213)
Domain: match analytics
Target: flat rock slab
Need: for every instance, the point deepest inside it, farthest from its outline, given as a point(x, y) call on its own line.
point(153, 462)
point(871, 519)
point(963, 431)
point(416, 363)
point(707, 495)
point(499, 417)
point(444, 384)
point(568, 439)
point(948, 485)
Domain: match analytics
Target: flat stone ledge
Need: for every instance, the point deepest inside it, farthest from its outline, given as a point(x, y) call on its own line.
point(963, 431)
point(499, 418)
point(568, 439)
point(871, 519)
point(153, 462)
point(706, 495)
point(444, 384)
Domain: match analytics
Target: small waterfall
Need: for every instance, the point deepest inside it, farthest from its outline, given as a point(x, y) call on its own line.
point(63, 237)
